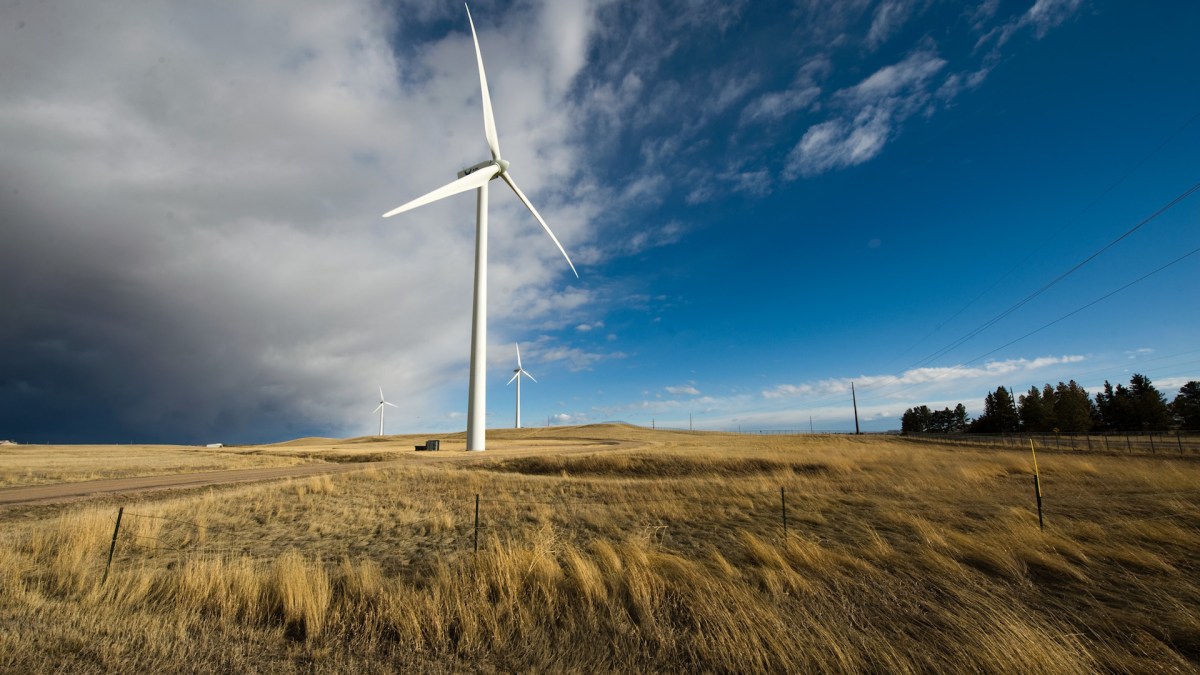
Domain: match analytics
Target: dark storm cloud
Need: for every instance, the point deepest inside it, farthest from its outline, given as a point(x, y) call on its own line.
point(190, 232)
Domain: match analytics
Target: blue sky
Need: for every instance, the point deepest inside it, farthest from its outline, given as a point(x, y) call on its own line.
point(765, 202)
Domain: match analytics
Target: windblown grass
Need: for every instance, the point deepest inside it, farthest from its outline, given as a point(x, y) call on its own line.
point(898, 558)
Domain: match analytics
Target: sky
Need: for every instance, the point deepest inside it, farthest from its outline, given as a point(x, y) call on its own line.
point(765, 201)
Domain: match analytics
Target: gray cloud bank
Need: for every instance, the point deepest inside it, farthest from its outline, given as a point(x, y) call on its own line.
point(189, 219)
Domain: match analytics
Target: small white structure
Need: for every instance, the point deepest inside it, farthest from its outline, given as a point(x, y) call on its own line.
point(215, 445)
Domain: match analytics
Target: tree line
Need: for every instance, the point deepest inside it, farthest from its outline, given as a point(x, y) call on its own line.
point(1067, 408)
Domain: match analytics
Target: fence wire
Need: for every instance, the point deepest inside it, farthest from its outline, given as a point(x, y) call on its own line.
point(178, 537)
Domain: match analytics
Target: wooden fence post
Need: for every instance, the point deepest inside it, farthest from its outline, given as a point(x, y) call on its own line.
point(783, 505)
point(477, 523)
point(1037, 487)
point(112, 547)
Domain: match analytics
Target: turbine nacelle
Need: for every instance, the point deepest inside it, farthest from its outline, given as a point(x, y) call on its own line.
point(502, 163)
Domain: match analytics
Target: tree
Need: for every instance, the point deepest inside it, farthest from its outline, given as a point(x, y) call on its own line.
point(999, 414)
point(1036, 412)
point(916, 420)
point(960, 418)
point(1186, 406)
point(1115, 408)
point(921, 420)
point(1149, 406)
point(1139, 408)
point(1073, 410)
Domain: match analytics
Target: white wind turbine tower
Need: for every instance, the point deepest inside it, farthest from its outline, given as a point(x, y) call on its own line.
point(517, 376)
point(477, 177)
point(382, 402)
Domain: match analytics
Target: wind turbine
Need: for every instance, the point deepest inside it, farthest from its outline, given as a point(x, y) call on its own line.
point(517, 376)
point(477, 177)
point(382, 402)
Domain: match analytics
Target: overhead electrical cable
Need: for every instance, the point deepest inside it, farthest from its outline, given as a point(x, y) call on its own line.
point(995, 319)
point(1097, 300)
point(1103, 193)
point(946, 371)
point(963, 366)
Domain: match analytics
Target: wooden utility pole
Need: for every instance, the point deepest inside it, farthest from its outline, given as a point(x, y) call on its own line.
point(854, 398)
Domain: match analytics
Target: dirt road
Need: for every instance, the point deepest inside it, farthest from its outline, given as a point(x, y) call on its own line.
point(66, 492)
point(57, 493)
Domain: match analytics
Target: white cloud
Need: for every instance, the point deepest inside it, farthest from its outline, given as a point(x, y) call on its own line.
point(218, 174)
point(774, 106)
point(1046, 14)
point(869, 111)
point(940, 376)
point(889, 16)
point(683, 390)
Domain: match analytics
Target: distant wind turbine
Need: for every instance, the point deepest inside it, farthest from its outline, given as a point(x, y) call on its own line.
point(517, 376)
point(477, 177)
point(382, 402)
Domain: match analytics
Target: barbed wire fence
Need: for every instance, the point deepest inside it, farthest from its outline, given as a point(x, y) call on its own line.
point(1163, 443)
point(183, 539)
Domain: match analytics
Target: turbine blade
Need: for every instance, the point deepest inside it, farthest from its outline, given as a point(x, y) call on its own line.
point(525, 200)
point(381, 397)
point(467, 182)
point(518, 356)
point(489, 123)
point(528, 375)
point(391, 404)
point(515, 375)
point(376, 408)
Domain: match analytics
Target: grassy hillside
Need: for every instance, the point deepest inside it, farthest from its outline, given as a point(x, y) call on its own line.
point(656, 551)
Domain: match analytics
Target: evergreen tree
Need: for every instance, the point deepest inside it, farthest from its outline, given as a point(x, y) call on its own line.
point(916, 420)
point(960, 418)
point(1115, 408)
point(923, 420)
point(1036, 412)
point(1186, 406)
point(1149, 406)
point(1139, 408)
point(999, 414)
point(1073, 410)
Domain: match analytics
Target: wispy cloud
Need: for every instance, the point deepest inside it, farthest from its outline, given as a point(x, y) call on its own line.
point(869, 111)
point(941, 376)
point(890, 15)
point(684, 389)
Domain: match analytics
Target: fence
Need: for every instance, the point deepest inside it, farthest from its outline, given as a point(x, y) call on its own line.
point(781, 511)
point(1166, 443)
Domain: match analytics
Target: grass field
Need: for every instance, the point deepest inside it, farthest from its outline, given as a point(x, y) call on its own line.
point(647, 551)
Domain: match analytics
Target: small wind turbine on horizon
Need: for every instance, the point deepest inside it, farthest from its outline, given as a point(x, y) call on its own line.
point(477, 177)
point(517, 376)
point(382, 402)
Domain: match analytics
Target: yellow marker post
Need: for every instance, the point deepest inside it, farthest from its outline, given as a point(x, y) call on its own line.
point(1037, 486)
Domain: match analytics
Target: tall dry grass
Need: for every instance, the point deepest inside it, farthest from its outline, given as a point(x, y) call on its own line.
point(898, 559)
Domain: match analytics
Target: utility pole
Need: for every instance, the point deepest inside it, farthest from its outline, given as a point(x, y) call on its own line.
point(690, 422)
point(810, 429)
point(854, 398)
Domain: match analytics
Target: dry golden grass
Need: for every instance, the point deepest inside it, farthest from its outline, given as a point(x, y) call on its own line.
point(43, 464)
point(665, 557)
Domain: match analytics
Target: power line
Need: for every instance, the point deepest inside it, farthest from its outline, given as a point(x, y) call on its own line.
point(1097, 300)
point(991, 322)
point(1103, 193)
point(963, 365)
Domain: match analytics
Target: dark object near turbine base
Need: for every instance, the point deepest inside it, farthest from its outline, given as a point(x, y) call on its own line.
point(430, 445)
